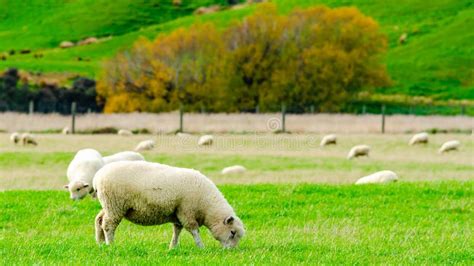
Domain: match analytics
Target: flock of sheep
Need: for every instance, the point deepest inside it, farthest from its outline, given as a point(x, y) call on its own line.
point(386, 176)
point(148, 193)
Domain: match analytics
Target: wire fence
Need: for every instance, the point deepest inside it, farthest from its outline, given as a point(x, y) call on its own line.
point(355, 107)
point(278, 121)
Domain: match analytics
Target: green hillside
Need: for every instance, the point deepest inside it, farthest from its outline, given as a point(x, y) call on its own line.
point(437, 60)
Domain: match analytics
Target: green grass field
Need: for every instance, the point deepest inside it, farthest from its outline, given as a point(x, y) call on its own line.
point(437, 60)
point(297, 201)
point(423, 223)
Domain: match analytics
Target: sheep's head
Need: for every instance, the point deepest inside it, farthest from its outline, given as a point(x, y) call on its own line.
point(78, 190)
point(229, 231)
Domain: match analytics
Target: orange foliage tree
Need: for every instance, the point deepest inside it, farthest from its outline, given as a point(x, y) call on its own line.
point(316, 56)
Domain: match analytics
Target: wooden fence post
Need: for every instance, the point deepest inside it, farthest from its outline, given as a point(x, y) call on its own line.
point(181, 112)
point(283, 117)
point(73, 113)
point(31, 107)
point(383, 118)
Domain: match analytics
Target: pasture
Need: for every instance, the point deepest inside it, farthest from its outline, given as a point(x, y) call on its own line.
point(296, 200)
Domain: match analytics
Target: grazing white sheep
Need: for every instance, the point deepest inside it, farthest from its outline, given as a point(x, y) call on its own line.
point(419, 138)
point(378, 177)
point(328, 139)
point(124, 132)
point(358, 151)
point(15, 137)
point(66, 131)
point(206, 140)
point(145, 145)
point(27, 138)
point(236, 169)
point(123, 156)
point(451, 145)
point(183, 135)
point(152, 194)
point(81, 171)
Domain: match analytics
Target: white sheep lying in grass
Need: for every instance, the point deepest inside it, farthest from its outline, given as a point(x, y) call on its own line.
point(183, 135)
point(420, 138)
point(15, 137)
point(328, 139)
point(145, 145)
point(378, 177)
point(27, 138)
point(358, 151)
point(123, 156)
point(151, 194)
point(236, 169)
point(81, 171)
point(66, 131)
point(124, 132)
point(451, 145)
point(206, 140)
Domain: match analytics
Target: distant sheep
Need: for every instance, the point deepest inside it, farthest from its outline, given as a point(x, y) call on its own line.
point(451, 145)
point(66, 131)
point(403, 38)
point(66, 44)
point(87, 41)
point(15, 137)
point(27, 138)
point(183, 135)
point(145, 145)
point(206, 140)
point(207, 10)
point(328, 139)
point(123, 156)
point(81, 171)
point(159, 194)
point(236, 169)
point(124, 132)
point(420, 138)
point(381, 177)
point(358, 151)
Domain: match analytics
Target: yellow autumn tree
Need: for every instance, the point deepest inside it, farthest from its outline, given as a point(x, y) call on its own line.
point(185, 67)
point(196, 57)
point(316, 56)
point(255, 47)
point(133, 81)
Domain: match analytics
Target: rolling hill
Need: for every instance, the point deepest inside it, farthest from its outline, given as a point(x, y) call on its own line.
point(436, 61)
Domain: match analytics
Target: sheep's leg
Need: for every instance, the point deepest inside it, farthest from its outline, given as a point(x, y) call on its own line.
point(176, 231)
point(93, 193)
point(189, 222)
point(99, 232)
point(109, 225)
point(197, 238)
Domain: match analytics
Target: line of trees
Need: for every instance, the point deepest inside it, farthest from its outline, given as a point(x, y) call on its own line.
point(16, 94)
point(317, 56)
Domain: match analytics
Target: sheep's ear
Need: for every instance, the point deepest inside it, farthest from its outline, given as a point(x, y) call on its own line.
point(85, 185)
point(229, 220)
point(66, 186)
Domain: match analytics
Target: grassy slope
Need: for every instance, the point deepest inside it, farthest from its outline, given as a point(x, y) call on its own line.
point(436, 61)
point(424, 223)
point(55, 21)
